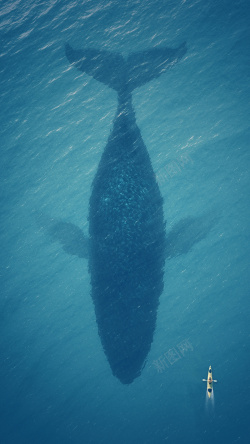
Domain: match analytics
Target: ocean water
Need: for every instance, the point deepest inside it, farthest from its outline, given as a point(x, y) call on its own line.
point(56, 384)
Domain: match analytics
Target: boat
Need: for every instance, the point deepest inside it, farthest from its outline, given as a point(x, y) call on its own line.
point(209, 382)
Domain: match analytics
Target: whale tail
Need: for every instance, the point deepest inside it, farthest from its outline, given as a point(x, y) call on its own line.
point(116, 72)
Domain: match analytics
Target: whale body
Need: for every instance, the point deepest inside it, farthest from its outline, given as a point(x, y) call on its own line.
point(126, 223)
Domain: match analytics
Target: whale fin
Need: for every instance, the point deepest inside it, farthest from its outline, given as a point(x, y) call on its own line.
point(71, 237)
point(104, 66)
point(112, 70)
point(148, 65)
point(188, 232)
point(180, 240)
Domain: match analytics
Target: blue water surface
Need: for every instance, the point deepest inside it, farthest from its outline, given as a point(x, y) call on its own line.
point(56, 384)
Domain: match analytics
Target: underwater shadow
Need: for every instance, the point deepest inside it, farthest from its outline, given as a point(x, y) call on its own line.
point(127, 244)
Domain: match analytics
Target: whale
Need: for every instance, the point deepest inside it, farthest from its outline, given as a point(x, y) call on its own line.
point(127, 233)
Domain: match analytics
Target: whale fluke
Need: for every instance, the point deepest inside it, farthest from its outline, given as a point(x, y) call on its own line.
point(148, 65)
point(104, 66)
point(112, 70)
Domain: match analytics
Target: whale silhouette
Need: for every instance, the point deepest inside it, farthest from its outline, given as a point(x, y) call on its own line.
point(127, 236)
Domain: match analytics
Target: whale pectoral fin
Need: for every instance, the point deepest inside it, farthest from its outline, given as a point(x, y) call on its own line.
point(148, 65)
point(187, 232)
point(71, 237)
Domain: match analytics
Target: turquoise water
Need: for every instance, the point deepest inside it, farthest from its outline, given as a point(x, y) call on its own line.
point(56, 384)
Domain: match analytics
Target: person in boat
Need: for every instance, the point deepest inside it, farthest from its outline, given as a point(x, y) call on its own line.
point(209, 381)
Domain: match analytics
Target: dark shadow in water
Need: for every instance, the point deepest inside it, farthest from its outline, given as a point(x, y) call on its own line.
point(71, 237)
point(184, 235)
point(179, 241)
point(127, 236)
point(188, 232)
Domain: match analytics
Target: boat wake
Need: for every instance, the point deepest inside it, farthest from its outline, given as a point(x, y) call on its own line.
point(209, 403)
